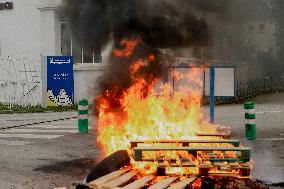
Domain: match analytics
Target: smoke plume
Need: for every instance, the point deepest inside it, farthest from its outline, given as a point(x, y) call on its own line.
point(160, 24)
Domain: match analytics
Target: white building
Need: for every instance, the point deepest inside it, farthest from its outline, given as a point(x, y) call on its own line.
point(32, 29)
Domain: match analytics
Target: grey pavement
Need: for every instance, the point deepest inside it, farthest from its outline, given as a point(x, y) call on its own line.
point(18, 119)
point(33, 158)
point(44, 155)
point(268, 149)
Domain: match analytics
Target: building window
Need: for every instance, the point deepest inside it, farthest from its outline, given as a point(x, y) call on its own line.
point(262, 28)
point(72, 47)
point(250, 28)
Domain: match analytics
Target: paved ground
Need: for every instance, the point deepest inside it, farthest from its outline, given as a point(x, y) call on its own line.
point(52, 154)
point(11, 120)
point(268, 149)
point(44, 155)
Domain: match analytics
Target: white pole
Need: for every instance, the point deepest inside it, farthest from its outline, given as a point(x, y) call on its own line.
point(43, 81)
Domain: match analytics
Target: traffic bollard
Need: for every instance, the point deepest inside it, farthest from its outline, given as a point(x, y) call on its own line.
point(250, 120)
point(83, 116)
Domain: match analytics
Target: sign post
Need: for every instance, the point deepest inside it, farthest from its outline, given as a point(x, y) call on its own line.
point(60, 81)
point(212, 93)
point(220, 81)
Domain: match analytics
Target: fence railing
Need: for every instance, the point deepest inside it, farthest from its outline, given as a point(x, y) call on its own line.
point(257, 86)
point(20, 81)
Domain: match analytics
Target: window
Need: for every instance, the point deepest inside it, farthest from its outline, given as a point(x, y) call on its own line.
point(72, 47)
point(262, 28)
point(250, 28)
point(6, 6)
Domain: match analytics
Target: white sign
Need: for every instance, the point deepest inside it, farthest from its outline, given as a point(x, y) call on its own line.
point(185, 77)
point(224, 82)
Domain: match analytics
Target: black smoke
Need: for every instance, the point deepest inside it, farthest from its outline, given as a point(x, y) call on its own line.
point(160, 24)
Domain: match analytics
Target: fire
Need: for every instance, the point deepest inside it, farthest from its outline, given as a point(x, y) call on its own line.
point(128, 45)
point(145, 115)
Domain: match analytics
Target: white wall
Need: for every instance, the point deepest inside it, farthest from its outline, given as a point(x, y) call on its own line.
point(20, 30)
point(85, 76)
point(50, 28)
point(31, 29)
point(262, 40)
point(20, 81)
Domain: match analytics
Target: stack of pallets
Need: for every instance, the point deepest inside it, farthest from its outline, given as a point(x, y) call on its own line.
point(128, 178)
point(227, 166)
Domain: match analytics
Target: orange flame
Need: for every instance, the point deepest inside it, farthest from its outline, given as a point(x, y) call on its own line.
point(173, 115)
point(129, 46)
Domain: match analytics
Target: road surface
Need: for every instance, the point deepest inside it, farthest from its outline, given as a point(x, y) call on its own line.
point(53, 154)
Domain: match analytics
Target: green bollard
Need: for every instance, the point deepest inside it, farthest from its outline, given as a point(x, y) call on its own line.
point(250, 120)
point(83, 116)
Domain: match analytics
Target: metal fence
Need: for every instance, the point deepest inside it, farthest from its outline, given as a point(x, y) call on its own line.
point(20, 81)
point(254, 79)
point(254, 87)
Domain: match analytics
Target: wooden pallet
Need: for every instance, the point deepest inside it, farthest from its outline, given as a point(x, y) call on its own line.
point(244, 152)
point(185, 143)
point(127, 179)
point(206, 169)
point(222, 135)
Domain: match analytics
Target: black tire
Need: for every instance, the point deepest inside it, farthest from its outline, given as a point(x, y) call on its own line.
point(111, 163)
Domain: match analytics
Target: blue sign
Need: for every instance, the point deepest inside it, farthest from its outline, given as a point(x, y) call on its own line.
point(60, 81)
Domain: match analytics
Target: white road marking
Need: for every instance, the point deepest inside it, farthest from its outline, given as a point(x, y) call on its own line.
point(268, 112)
point(29, 136)
point(63, 122)
point(32, 130)
point(54, 126)
point(14, 143)
point(272, 139)
point(38, 131)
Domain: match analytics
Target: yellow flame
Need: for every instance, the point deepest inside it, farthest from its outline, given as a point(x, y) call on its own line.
point(169, 115)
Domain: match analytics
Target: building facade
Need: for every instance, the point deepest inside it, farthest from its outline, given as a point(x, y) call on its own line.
point(33, 29)
point(247, 31)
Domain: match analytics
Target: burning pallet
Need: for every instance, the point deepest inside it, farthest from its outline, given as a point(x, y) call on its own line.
point(226, 165)
point(126, 178)
point(129, 178)
point(237, 168)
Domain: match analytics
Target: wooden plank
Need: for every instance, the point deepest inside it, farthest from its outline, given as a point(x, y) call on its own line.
point(214, 135)
point(139, 183)
point(104, 179)
point(183, 164)
point(184, 141)
point(192, 148)
point(182, 184)
point(224, 174)
point(164, 183)
point(123, 179)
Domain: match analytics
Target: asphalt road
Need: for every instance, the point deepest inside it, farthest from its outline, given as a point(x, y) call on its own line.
point(45, 155)
point(268, 149)
point(54, 154)
point(19, 119)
